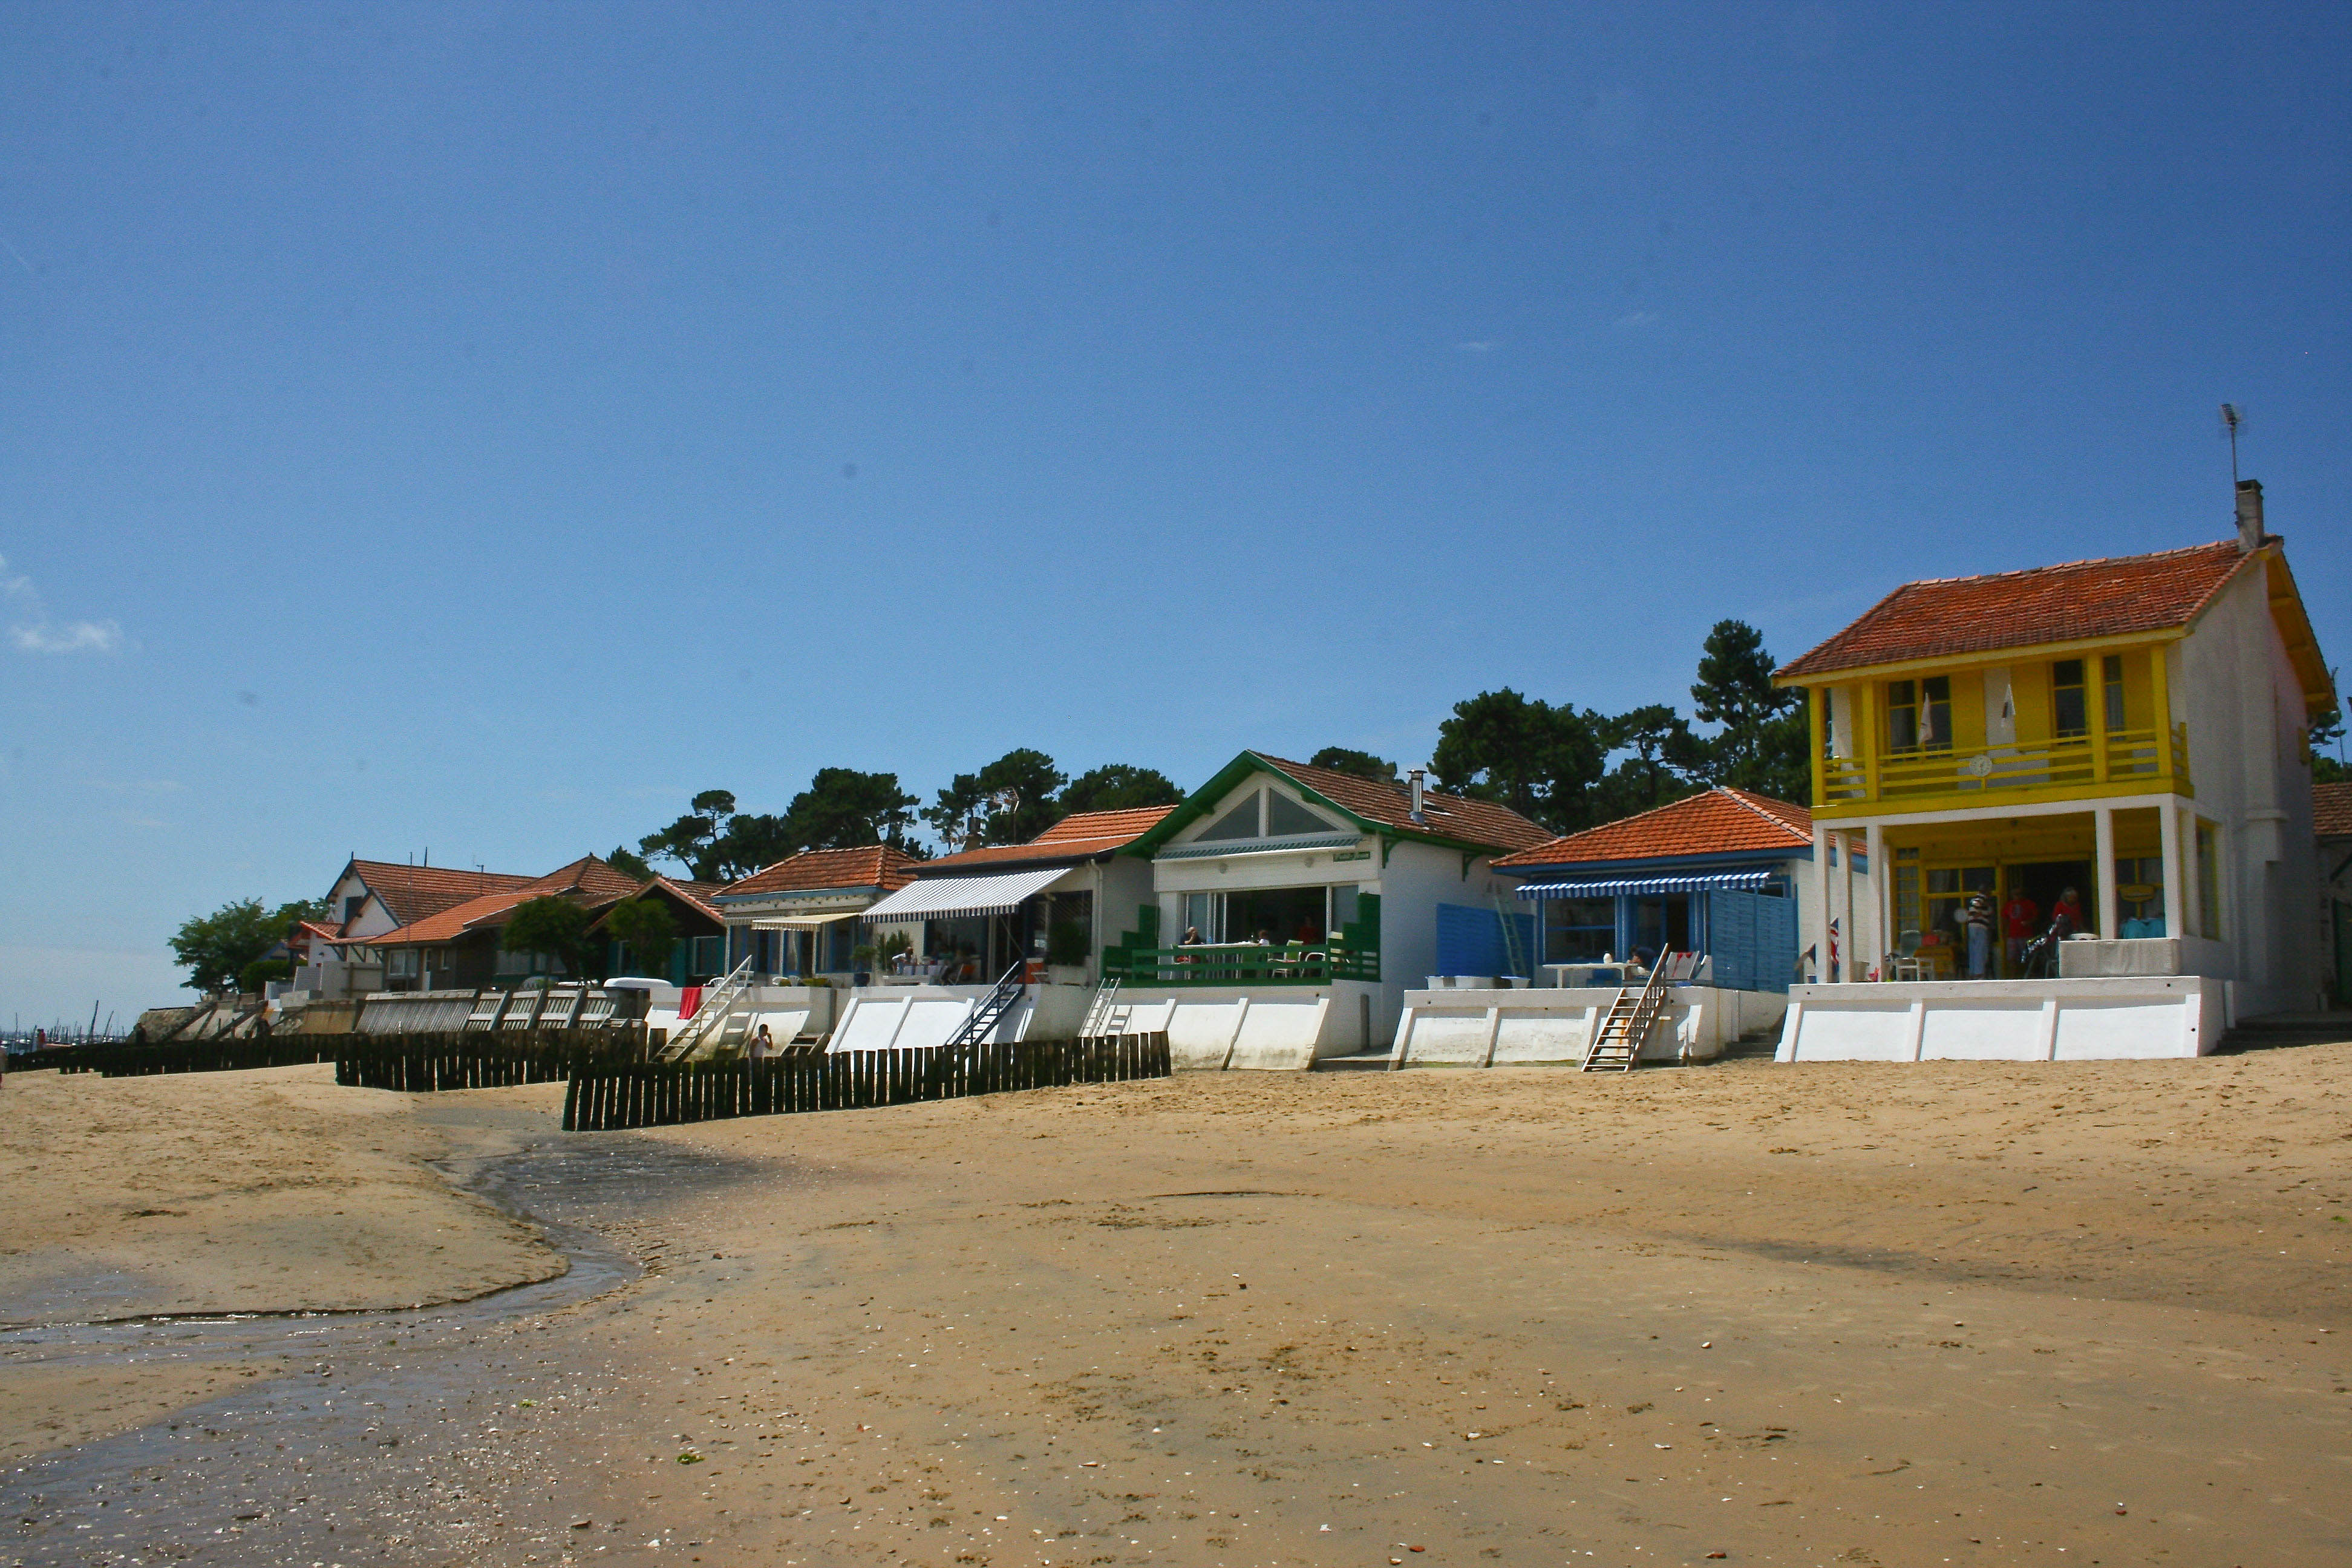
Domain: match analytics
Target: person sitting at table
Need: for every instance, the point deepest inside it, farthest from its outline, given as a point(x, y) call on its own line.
point(2069, 904)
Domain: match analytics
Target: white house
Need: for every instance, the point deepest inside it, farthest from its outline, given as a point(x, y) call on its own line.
point(1290, 907)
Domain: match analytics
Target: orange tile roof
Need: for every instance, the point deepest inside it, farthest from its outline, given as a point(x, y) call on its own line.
point(1127, 826)
point(588, 878)
point(1950, 616)
point(412, 892)
point(1455, 816)
point(1721, 821)
point(2331, 809)
point(879, 866)
point(1077, 836)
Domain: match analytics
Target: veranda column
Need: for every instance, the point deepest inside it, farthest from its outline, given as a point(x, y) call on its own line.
point(2103, 836)
point(1881, 928)
point(1849, 947)
point(1820, 943)
point(2176, 905)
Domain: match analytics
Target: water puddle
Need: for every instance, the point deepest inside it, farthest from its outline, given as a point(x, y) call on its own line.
point(375, 1442)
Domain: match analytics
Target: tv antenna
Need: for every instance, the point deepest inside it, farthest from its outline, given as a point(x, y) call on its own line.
point(2232, 417)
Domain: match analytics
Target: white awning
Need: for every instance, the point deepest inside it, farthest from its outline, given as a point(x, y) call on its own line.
point(802, 922)
point(940, 898)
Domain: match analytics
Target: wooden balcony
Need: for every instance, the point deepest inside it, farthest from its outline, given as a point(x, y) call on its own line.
point(2117, 761)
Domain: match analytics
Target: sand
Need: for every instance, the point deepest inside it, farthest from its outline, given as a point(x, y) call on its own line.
point(1966, 1312)
point(260, 1192)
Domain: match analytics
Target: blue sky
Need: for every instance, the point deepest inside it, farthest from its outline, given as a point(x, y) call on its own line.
point(479, 427)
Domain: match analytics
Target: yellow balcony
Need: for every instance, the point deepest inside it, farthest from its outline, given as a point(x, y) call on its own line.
point(2121, 762)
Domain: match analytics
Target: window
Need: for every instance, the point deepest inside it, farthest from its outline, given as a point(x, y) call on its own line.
point(2111, 683)
point(1579, 930)
point(2069, 709)
point(1284, 815)
point(1201, 911)
point(352, 905)
point(1919, 715)
point(709, 956)
point(1345, 907)
point(401, 964)
point(2139, 895)
point(1240, 821)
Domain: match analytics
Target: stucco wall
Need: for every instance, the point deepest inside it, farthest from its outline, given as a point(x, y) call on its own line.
point(1497, 1028)
point(2005, 1020)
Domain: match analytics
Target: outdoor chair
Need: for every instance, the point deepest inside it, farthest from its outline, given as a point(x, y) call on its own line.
point(1907, 964)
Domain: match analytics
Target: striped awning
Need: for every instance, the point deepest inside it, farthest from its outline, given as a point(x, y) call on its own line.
point(803, 922)
point(1624, 887)
point(943, 897)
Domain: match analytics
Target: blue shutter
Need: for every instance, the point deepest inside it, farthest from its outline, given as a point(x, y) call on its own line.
point(1731, 939)
point(1776, 942)
point(1469, 940)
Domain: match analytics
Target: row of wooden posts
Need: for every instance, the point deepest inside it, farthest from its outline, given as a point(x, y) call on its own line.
point(610, 1086)
point(603, 1098)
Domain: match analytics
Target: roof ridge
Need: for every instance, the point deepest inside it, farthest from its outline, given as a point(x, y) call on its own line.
point(1749, 799)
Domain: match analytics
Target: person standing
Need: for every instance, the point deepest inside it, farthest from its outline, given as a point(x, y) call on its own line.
point(1976, 927)
point(2017, 918)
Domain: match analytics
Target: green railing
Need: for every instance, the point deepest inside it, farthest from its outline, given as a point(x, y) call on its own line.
point(1241, 963)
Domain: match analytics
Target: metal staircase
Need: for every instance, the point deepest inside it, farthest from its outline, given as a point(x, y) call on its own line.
point(1616, 1045)
point(993, 1006)
point(712, 1018)
point(1102, 1011)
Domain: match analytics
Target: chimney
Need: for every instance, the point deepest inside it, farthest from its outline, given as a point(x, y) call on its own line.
point(1417, 786)
point(2249, 516)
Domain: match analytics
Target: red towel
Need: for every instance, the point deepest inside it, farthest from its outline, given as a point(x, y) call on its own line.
point(689, 997)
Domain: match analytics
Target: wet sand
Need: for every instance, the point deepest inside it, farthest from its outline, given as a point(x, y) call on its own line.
point(1981, 1313)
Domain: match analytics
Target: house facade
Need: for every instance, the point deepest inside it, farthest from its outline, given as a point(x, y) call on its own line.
point(371, 897)
point(1290, 906)
point(1724, 873)
point(459, 947)
point(2132, 731)
point(1042, 905)
point(799, 918)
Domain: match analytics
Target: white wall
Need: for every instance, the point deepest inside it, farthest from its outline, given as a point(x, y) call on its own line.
point(1273, 1028)
point(1498, 1028)
point(2013, 1020)
point(2246, 762)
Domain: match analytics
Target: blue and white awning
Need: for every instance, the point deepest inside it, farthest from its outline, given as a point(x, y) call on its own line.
point(1636, 886)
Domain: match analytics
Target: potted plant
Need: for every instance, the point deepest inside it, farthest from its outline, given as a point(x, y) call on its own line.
point(861, 960)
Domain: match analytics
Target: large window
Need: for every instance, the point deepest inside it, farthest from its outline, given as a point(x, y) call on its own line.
point(2070, 713)
point(1580, 931)
point(2111, 687)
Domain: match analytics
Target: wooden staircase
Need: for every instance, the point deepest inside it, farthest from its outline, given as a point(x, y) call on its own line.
point(1616, 1045)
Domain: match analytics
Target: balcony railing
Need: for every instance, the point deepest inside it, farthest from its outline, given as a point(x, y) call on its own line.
point(1240, 964)
point(2126, 755)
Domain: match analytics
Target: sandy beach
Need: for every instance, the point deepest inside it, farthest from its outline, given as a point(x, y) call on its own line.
point(1974, 1313)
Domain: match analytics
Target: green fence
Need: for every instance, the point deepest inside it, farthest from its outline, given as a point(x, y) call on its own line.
point(654, 1094)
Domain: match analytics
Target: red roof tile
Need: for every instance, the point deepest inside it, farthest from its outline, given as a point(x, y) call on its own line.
point(1127, 826)
point(1455, 816)
point(1075, 838)
point(871, 865)
point(2331, 809)
point(588, 879)
point(1955, 615)
point(412, 892)
point(1721, 821)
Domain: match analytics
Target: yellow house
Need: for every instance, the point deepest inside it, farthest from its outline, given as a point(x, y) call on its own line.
point(2133, 729)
